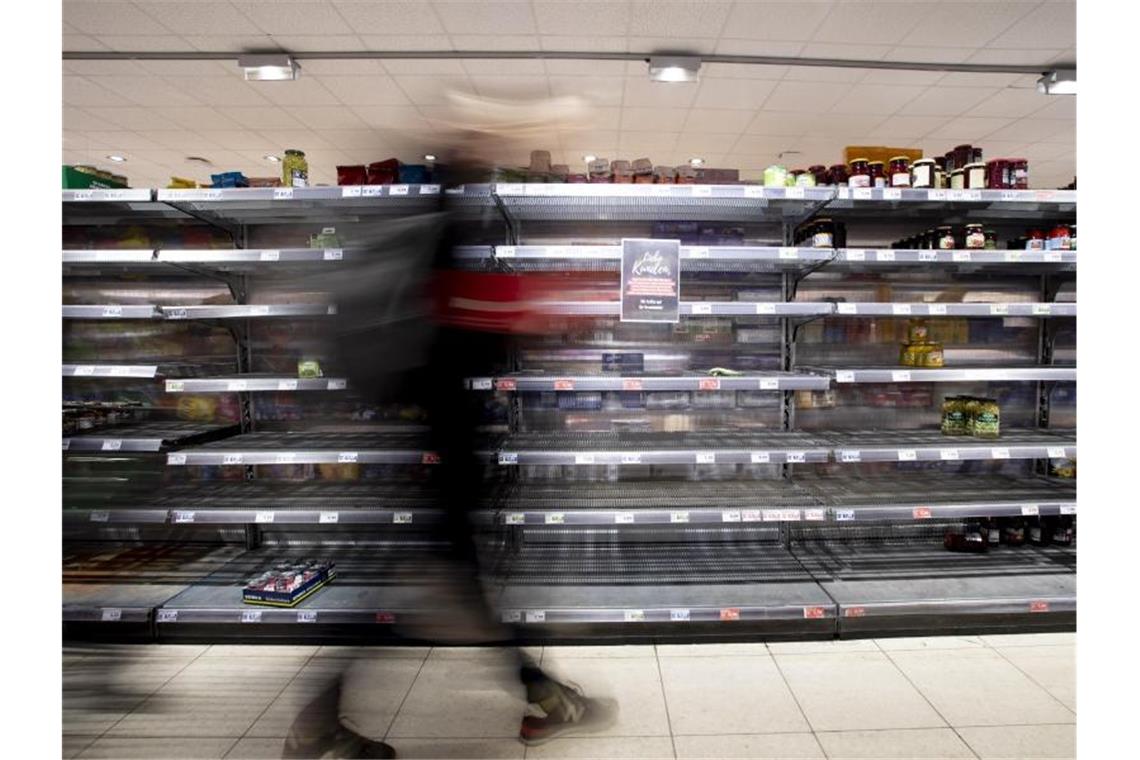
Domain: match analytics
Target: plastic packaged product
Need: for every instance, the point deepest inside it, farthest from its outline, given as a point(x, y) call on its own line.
point(775, 176)
point(294, 169)
point(384, 172)
point(326, 238)
point(309, 368)
point(860, 174)
point(931, 356)
point(878, 173)
point(917, 331)
point(790, 177)
point(1035, 241)
point(985, 422)
point(539, 162)
point(1059, 239)
point(1019, 173)
point(955, 420)
point(686, 175)
point(908, 355)
point(922, 173)
point(229, 179)
point(664, 175)
point(974, 177)
point(559, 172)
point(900, 172)
point(1013, 532)
point(975, 236)
point(352, 175)
point(413, 174)
point(621, 172)
point(642, 171)
point(969, 541)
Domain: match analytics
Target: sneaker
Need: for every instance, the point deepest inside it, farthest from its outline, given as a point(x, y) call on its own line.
point(567, 712)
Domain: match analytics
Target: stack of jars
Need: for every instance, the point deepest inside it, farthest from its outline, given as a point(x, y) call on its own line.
point(919, 350)
point(945, 237)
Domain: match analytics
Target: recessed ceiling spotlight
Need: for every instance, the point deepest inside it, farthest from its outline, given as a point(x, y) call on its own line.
point(429, 157)
point(273, 158)
point(589, 157)
point(117, 158)
point(696, 162)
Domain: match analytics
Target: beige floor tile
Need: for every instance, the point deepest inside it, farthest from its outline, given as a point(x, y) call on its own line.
point(728, 695)
point(822, 647)
point(459, 749)
point(1030, 639)
point(920, 643)
point(119, 747)
point(911, 744)
point(745, 649)
point(855, 690)
point(633, 681)
point(1054, 668)
point(245, 651)
point(135, 651)
point(773, 746)
point(629, 650)
point(590, 748)
point(457, 697)
point(72, 745)
point(980, 688)
point(412, 653)
point(102, 689)
point(1022, 741)
point(468, 653)
point(257, 749)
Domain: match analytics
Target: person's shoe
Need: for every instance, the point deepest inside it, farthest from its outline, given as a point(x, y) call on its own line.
point(567, 711)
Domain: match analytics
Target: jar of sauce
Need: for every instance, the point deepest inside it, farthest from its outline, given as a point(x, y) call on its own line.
point(997, 174)
point(900, 171)
point(1058, 239)
point(991, 240)
point(878, 174)
point(944, 238)
point(860, 175)
point(822, 234)
point(1035, 241)
point(940, 173)
point(958, 179)
point(922, 173)
point(963, 154)
point(837, 175)
point(975, 236)
point(1019, 173)
point(819, 171)
point(975, 176)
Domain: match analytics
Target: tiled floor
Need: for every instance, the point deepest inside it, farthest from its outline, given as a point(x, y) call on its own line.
point(948, 697)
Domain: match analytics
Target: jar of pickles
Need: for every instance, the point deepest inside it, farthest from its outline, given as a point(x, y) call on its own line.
point(922, 173)
point(955, 419)
point(860, 175)
point(985, 418)
point(975, 236)
point(878, 174)
point(775, 176)
point(805, 179)
point(900, 171)
point(294, 169)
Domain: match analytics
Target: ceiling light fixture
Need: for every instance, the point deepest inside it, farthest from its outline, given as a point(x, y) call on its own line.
point(695, 162)
point(429, 157)
point(1059, 82)
point(273, 158)
point(117, 158)
point(589, 157)
point(273, 67)
point(674, 68)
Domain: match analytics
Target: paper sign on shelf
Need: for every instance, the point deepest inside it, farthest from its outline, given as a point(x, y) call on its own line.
point(176, 459)
point(794, 193)
point(850, 456)
point(936, 309)
point(706, 457)
point(750, 515)
point(167, 616)
point(900, 308)
point(856, 256)
point(555, 518)
point(900, 376)
point(536, 616)
point(398, 190)
point(508, 457)
point(99, 516)
point(886, 255)
point(251, 616)
point(631, 458)
point(769, 384)
point(1056, 452)
point(333, 254)
point(815, 515)
point(679, 616)
point(634, 616)
point(623, 518)
point(844, 376)
point(112, 444)
point(111, 615)
point(329, 518)
point(584, 459)
point(347, 457)
point(814, 613)
point(765, 308)
point(795, 457)
point(761, 457)
point(728, 614)
point(306, 616)
point(844, 515)
point(730, 515)
point(514, 518)
point(351, 191)
point(999, 453)
point(697, 252)
point(1029, 510)
point(847, 308)
point(263, 517)
point(650, 280)
point(231, 459)
point(948, 455)
point(678, 517)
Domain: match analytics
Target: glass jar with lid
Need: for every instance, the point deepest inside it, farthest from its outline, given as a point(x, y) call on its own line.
point(294, 169)
point(900, 171)
point(958, 179)
point(860, 175)
point(822, 233)
point(805, 179)
point(922, 173)
point(975, 176)
point(878, 174)
point(1035, 241)
point(775, 176)
point(837, 174)
point(819, 171)
point(975, 236)
point(991, 240)
point(944, 238)
point(1019, 173)
point(940, 172)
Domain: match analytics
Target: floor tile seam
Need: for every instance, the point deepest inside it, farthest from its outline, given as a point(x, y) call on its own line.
point(86, 746)
point(795, 698)
point(404, 700)
point(1035, 682)
point(150, 695)
point(276, 697)
point(928, 701)
point(665, 701)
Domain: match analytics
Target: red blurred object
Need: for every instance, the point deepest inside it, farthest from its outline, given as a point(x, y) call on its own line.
point(351, 175)
point(384, 172)
point(507, 303)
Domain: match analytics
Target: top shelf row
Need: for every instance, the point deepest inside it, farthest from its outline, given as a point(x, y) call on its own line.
point(560, 202)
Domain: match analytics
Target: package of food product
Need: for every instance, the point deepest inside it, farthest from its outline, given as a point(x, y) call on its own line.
point(917, 331)
point(932, 356)
point(599, 170)
point(908, 354)
point(642, 171)
point(775, 176)
point(539, 162)
point(621, 171)
point(414, 174)
point(986, 420)
point(559, 172)
point(971, 540)
point(289, 583)
point(686, 175)
point(955, 419)
point(385, 172)
point(229, 179)
point(352, 175)
point(664, 175)
point(309, 368)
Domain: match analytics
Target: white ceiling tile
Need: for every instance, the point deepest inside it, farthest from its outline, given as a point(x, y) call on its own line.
point(792, 21)
point(880, 99)
point(432, 91)
point(1011, 102)
point(590, 142)
point(816, 97)
point(167, 43)
point(703, 144)
point(389, 17)
point(198, 17)
point(123, 140)
point(641, 91)
point(718, 120)
point(309, 42)
point(79, 119)
point(294, 17)
point(377, 90)
point(296, 139)
point(490, 18)
point(1049, 25)
point(1059, 107)
point(511, 87)
point(585, 19)
point(341, 68)
point(186, 69)
point(405, 42)
point(495, 42)
point(306, 91)
point(185, 143)
point(1044, 151)
point(81, 43)
point(1015, 57)
point(781, 48)
point(349, 140)
point(148, 91)
point(947, 101)
point(633, 145)
point(824, 74)
point(877, 22)
point(677, 19)
point(499, 67)
point(99, 69)
point(1036, 129)
point(576, 44)
point(968, 129)
point(928, 54)
point(224, 91)
point(969, 24)
point(425, 68)
point(570, 68)
point(991, 81)
point(742, 71)
point(327, 117)
point(602, 119)
point(231, 43)
point(261, 117)
point(889, 76)
point(195, 118)
point(844, 125)
point(107, 17)
point(240, 140)
point(80, 91)
point(134, 118)
point(647, 119)
point(406, 118)
point(782, 124)
point(746, 94)
point(671, 46)
point(600, 91)
point(900, 126)
point(761, 145)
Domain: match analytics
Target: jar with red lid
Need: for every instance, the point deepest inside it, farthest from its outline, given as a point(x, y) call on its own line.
point(975, 176)
point(900, 172)
point(1035, 241)
point(878, 174)
point(922, 173)
point(944, 238)
point(1019, 173)
point(837, 174)
point(1058, 239)
point(860, 175)
point(975, 236)
point(819, 171)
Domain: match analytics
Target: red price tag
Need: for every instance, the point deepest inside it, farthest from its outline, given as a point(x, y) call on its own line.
point(632, 385)
point(506, 385)
point(386, 617)
point(709, 384)
point(1039, 606)
point(564, 385)
point(922, 513)
point(854, 612)
point(730, 613)
point(430, 457)
point(813, 613)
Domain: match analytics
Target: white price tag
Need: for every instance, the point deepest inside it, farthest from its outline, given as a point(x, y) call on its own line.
point(175, 386)
point(1029, 510)
point(1009, 195)
point(706, 457)
point(347, 457)
point(892, 194)
point(1042, 309)
point(900, 376)
point(398, 190)
point(168, 616)
point(948, 455)
point(536, 616)
point(1056, 452)
point(505, 251)
point(856, 256)
point(679, 616)
point(678, 517)
point(372, 191)
point(623, 518)
point(176, 459)
point(928, 255)
point(237, 385)
point(337, 385)
point(753, 191)
point(1052, 256)
point(285, 457)
point(789, 253)
point(956, 195)
point(907, 455)
point(936, 195)
point(333, 254)
point(1068, 509)
point(508, 457)
point(99, 516)
point(886, 255)
point(481, 384)
point(183, 517)
point(844, 515)
point(750, 515)
point(780, 515)
point(815, 515)
point(514, 518)
point(512, 616)
point(402, 518)
point(583, 459)
point(555, 518)
point(286, 385)
point(306, 616)
point(66, 444)
point(231, 459)
point(1013, 256)
point(795, 457)
point(263, 517)
point(251, 616)
point(972, 195)
point(761, 457)
point(702, 308)
point(850, 456)
point(82, 195)
point(112, 311)
point(112, 444)
point(259, 311)
point(794, 192)
point(112, 615)
point(631, 458)
point(269, 256)
point(429, 189)
point(765, 308)
point(351, 191)
point(1000, 453)
point(936, 309)
point(635, 616)
point(961, 256)
point(900, 308)
point(847, 308)
point(730, 515)
point(999, 309)
point(282, 193)
point(329, 518)
point(698, 252)
point(85, 370)
point(770, 384)
point(701, 191)
point(844, 376)
point(861, 193)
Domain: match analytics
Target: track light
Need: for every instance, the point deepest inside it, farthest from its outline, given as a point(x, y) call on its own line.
point(1059, 82)
point(273, 67)
point(674, 68)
